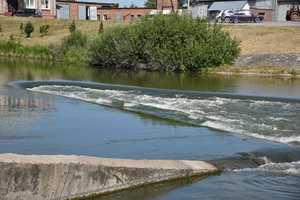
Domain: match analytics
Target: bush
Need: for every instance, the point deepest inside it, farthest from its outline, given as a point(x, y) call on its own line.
point(44, 29)
point(22, 28)
point(29, 28)
point(101, 29)
point(166, 42)
point(72, 27)
point(74, 48)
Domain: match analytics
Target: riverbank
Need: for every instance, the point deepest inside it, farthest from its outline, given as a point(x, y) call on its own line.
point(266, 43)
point(282, 65)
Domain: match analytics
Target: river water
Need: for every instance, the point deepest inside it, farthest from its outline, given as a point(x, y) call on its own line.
point(48, 109)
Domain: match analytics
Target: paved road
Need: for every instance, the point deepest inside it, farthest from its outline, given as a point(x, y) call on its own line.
point(267, 23)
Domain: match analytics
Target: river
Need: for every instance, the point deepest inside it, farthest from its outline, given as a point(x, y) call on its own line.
point(54, 109)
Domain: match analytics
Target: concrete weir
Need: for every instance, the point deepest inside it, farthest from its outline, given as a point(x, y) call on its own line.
point(67, 176)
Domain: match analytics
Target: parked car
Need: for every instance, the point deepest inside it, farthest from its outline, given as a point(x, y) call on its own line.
point(246, 16)
point(226, 15)
point(28, 12)
point(223, 15)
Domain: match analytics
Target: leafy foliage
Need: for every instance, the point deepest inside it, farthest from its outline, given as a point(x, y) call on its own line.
point(11, 48)
point(74, 48)
point(101, 28)
point(72, 27)
point(22, 28)
point(169, 43)
point(150, 4)
point(44, 29)
point(29, 28)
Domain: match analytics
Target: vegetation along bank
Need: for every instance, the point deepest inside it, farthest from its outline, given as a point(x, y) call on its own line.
point(171, 43)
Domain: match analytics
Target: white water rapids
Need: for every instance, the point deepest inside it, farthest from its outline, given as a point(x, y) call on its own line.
point(264, 119)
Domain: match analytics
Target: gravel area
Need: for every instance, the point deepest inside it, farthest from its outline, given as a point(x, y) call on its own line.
point(284, 60)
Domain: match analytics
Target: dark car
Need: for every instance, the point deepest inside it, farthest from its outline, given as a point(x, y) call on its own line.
point(246, 16)
point(28, 12)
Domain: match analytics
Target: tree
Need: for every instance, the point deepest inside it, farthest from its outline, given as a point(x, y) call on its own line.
point(22, 28)
point(29, 28)
point(133, 6)
point(150, 4)
point(72, 27)
point(101, 29)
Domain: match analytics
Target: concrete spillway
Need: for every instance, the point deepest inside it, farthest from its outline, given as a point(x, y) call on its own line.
point(60, 176)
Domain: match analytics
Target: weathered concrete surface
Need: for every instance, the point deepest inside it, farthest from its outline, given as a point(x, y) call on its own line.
point(60, 176)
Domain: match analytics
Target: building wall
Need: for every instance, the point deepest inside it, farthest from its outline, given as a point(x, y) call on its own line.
point(278, 7)
point(108, 12)
point(268, 14)
point(263, 4)
point(166, 4)
point(125, 13)
point(49, 12)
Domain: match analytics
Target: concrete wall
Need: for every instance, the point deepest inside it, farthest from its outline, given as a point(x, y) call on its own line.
point(60, 177)
point(262, 4)
point(125, 13)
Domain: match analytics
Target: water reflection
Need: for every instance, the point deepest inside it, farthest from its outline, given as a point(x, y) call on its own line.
point(12, 103)
point(12, 70)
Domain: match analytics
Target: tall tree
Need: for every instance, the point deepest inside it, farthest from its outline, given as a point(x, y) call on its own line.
point(150, 4)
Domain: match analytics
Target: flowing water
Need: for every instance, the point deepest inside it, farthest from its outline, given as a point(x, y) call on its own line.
point(248, 125)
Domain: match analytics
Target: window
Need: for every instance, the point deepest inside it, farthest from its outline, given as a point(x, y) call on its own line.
point(262, 13)
point(30, 3)
point(132, 18)
point(139, 16)
point(45, 4)
point(105, 18)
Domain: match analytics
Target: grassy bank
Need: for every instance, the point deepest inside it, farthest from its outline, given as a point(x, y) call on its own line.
point(254, 39)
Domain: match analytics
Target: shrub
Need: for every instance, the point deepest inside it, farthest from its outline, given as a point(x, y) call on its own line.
point(74, 48)
point(11, 38)
point(169, 42)
point(101, 29)
point(44, 29)
point(75, 40)
point(72, 27)
point(29, 28)
point(22, 28)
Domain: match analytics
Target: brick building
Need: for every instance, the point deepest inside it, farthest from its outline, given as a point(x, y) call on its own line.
point(85, 10)
point(108, 11)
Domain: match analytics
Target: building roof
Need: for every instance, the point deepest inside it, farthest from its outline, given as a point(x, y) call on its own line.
point(238, 5)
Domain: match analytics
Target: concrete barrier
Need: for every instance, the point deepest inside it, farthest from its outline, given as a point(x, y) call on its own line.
point(61, 177)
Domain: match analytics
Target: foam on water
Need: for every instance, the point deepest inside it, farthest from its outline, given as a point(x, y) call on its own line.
point(270, 120)
point(289, 168)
